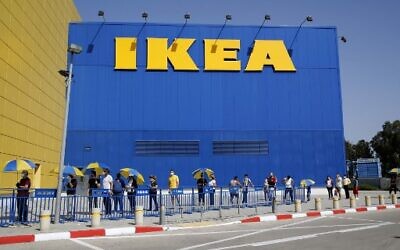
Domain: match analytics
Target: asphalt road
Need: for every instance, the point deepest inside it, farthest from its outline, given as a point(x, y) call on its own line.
point(372, 230)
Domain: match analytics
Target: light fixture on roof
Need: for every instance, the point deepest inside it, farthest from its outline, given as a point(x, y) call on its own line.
point(174, 44)
point(101, 13)
point(343, 39)
point(307, 19)
point(214, 46)
point(266, 18)
point(145, 15)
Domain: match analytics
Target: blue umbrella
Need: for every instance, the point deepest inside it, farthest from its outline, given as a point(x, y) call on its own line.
point(19, 165)
point(68, 169)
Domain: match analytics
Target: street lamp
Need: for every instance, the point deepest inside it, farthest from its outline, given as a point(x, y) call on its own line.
point(214, 46)
point(73, 49)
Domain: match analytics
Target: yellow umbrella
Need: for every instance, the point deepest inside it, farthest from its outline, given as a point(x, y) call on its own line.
point(126, 172)
point(197, 173)
point(18, 165)
point(68, 169)
point(97, 166)
point(395, 171)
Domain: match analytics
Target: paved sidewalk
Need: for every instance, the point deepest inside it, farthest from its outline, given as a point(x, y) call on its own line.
point(200, 219)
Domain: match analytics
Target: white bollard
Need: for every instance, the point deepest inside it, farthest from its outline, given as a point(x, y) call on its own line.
point(394, 199)
point(318, 206)
point(297, 206)
point(336, 204)
point(96, 217)
point(367, 201)
point(139, 215)
point(352, 202)
point(45, 220)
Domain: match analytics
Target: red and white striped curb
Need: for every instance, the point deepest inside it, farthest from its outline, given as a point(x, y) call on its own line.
point(316, 213)
point(98, 232)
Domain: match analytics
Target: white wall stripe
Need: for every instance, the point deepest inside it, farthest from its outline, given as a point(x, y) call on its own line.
point(268, 218)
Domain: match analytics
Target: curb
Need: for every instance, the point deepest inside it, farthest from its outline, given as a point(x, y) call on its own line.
point(316, 213)
point(73, 234)
point(101, 232)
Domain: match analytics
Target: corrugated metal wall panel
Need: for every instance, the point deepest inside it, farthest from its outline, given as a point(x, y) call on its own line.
point(299, 114)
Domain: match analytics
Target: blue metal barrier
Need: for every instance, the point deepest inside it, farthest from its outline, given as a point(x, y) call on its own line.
point(14, 209)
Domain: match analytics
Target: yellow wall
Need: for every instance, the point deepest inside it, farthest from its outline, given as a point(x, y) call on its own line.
point(33, 47)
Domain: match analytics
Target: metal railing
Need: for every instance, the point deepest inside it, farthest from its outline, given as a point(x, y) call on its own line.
point(15, 208)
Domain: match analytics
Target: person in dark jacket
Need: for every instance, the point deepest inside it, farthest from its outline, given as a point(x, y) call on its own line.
point(118, 193)
point(23, 187)
point(93, 183)
point(153, 192)
point(131, 187)
point(71, 185)
point(201, 183)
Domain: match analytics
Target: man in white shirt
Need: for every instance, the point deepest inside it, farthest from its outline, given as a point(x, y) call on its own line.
point(107, 185)
point(339, 185)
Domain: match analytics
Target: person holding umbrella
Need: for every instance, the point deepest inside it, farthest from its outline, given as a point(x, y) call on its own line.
point(108, 186)
point(22, 197)
point(93, 183)
point(201, 183)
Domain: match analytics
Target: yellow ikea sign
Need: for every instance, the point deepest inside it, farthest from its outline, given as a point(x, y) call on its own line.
point(219, 55)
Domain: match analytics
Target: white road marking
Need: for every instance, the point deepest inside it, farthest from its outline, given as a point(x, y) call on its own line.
point(245, 235)
point(85, 244)
point(351, 218)
point(301, 237)
point(331, 226)
point(168, 235)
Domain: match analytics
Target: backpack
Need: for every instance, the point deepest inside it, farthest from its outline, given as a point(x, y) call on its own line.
point(117, 187)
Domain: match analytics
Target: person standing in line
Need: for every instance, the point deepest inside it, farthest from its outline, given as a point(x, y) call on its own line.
point(346, 186)
point(338, 186)
point(329, 186)
point(246, 184)
point(118, 193)
point(71, 185)
point(212, 184)
point(355, 187)
point(93, 183)
point(271, 186)
point(234, 186)
point(288, 181)
point(23, 187)
point(393, 184)
point(153, 192)
point(108, 186)
point(131, 187)
point(201, 183)
point(173, 183)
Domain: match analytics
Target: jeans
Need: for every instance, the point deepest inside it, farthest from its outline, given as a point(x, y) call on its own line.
point(212, 196)
point(290, 191)
point(201, 196)
point(91, 199)
point(107, 205)
point(22, 206)
point(153, 197)
point(244, 200)
point(330, 193)
point(132, 201)
point(118, 202)
point(271, 193)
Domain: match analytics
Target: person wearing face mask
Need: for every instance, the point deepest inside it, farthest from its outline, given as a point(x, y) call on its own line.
point(22, 197)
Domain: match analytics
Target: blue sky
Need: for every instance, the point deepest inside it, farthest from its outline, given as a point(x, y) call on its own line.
point(369, 61)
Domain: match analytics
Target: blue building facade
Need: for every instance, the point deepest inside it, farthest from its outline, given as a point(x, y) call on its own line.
point(289, 123)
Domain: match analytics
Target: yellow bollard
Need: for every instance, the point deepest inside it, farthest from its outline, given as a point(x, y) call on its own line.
point(352, 202)
point(96, 217)
point(297, 206)
point(381, 199)
point(45, 220)
point(318, 204)
point(336, 204)
point(394, 199)
point(139, 215)
point(367, 201)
